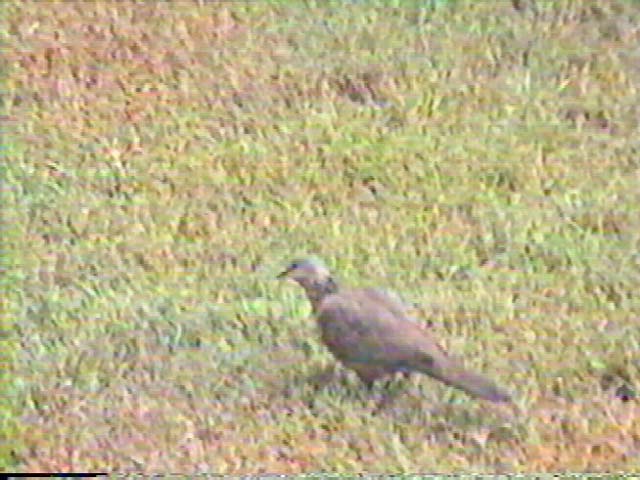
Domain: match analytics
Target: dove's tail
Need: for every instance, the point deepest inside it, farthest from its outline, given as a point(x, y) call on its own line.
point(472, 383)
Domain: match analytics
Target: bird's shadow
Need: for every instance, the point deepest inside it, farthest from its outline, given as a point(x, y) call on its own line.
point(337, 382)
point(391, 396)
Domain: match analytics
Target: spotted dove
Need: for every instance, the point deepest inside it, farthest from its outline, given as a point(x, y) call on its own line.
point(371, 332)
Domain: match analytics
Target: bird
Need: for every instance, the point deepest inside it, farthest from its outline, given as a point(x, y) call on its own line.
point(370, 331)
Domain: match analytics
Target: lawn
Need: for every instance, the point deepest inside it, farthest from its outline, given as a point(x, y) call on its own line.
point(164, 161)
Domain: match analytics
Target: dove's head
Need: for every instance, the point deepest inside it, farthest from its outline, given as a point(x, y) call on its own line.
point(305, 270)
point(312, 274)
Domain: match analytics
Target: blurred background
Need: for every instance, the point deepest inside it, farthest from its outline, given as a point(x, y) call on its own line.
point(164, 161)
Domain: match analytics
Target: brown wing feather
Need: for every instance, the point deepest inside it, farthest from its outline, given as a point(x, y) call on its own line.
point(356, 328)
point(371, 333)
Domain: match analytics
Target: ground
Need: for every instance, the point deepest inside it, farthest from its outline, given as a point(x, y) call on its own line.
point(164, 161)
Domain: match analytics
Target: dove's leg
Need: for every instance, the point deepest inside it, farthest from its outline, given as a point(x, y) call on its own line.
point(368, 373)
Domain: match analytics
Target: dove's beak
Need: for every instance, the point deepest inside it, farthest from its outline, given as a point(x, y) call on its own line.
point(284, 274)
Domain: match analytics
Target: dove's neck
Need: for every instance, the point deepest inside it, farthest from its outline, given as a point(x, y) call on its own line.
point(317, 290)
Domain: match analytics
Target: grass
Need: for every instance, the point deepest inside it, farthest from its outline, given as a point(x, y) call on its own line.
point(167, 160)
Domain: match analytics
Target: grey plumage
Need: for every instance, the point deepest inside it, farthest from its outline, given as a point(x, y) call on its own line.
point(370, 332)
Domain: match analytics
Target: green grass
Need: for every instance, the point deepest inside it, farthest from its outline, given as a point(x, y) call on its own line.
point(167, 160)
